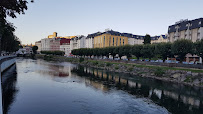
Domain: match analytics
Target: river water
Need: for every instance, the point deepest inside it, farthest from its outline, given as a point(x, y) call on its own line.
point(41, 87)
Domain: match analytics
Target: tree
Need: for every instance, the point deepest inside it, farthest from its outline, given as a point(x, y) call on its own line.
point(10, 8)
point(147, 39)
point(199, 48)
point(181, 48)
point(148, 51)
point(127, 51)
point(136, 51)
point(164, 50)
point(34, 49)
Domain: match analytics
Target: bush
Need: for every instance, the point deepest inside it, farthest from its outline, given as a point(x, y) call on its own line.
point(130, 69)
point(81, 60)
point(108, 64)
point(53, 52)
point(159, 72)
point(116, 67)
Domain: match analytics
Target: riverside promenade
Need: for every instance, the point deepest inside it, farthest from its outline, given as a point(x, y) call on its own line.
point(5, 63)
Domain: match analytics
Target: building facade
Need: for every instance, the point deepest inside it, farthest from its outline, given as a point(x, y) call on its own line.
point(65, 46)
point(110, 38)
point(77, 42)
point(89, 43)
point(186, 29)
point(135, 39)
point(159, 39)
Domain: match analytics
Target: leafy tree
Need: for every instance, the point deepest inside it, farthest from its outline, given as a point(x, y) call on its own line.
point(181, 48)
point(148, 51)
point(127, 51)
point(164, 50)
point(136, 51)
point(10, 8)
point(199, 48)
point(147, 39)
point(34, 49)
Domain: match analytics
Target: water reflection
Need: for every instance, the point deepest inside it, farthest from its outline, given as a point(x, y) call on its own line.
point(9, 90)
point(176, 98)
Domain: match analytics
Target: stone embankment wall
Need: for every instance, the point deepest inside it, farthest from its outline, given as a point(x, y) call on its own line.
point(188, 76)
point(176, 76)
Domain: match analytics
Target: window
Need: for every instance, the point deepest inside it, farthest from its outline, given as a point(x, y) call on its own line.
point(109, 40)
point(104, 41)
point(117, 41)
point(123, 41)
point(113, 41)
point(120, 41)
point(200, 23)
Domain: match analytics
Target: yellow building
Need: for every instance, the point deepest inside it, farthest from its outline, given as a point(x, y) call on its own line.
point(110, 38)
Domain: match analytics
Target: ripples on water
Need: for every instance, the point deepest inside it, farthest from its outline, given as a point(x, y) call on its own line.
point(41, 87)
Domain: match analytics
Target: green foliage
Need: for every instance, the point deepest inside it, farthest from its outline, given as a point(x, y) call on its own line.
point(48, 57)
point(81, 60)
point(108, 64)
point(147, 39)
point(199, 48)
point(10, 42)
point(148, 51)
point(116, 67)
point(163, 50)
point(159, 71)
point(136, 50)
point(130, 68)
point(53, 52)
point(181, 48)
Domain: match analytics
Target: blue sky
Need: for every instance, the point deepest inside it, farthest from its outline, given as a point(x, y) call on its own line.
point(82, 17)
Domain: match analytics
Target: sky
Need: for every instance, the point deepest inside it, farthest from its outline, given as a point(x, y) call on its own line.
point(83, 17)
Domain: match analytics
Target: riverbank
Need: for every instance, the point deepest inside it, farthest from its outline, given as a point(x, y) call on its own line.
point(187, 76)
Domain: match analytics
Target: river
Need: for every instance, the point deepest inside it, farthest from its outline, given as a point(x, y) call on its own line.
point(42, 87)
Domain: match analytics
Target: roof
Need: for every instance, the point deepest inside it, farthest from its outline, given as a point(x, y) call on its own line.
point(196, 23)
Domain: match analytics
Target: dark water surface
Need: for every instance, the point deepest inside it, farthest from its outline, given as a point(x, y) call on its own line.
point(41, 87)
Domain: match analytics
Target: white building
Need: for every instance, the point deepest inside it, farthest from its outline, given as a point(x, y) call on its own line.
point(89, 43)
point(45, 44)
point(186, 29)
point(77, 42)
point(135, 39)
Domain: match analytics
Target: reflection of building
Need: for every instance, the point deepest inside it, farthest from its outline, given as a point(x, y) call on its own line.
point(186, 29)
point(159, 39)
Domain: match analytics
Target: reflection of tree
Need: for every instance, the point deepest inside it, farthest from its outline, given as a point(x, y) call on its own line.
point(9, 90)
point(176, 98)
